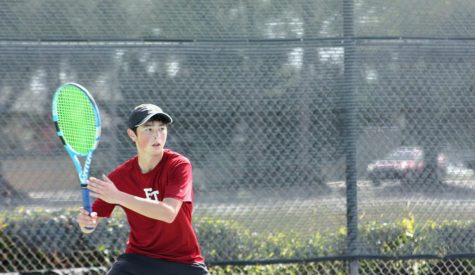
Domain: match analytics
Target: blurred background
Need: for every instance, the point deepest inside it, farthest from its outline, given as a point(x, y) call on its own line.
point(330, 137)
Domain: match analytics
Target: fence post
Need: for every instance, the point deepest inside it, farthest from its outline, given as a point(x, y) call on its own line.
point(350, 136)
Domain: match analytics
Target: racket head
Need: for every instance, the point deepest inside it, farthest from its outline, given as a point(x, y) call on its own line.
point(76, 118)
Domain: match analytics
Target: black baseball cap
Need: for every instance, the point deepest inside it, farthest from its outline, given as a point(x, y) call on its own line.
point(144, 113)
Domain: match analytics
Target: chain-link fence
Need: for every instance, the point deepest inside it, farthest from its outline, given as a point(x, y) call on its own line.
point(327, 137)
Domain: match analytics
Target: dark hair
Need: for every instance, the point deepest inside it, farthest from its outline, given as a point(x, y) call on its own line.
point(154, 118)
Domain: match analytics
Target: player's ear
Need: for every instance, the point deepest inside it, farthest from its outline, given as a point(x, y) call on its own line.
point(131, 134)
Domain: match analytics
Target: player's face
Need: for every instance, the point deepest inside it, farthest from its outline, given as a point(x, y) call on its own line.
point(151, 137)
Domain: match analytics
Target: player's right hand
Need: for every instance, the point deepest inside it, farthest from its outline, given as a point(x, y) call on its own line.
point(86, 222)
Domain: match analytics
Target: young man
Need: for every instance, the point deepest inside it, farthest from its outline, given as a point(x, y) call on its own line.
point(155, 190)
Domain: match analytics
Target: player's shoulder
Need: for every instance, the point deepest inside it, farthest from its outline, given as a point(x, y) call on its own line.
point(126, 167)
point(175, 157)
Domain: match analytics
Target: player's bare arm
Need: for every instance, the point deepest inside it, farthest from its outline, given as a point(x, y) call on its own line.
point(106, 190)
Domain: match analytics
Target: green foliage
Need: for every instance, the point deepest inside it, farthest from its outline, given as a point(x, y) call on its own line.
point(407, 237)
point(42, 239)
point(45, 240)
point(213, 233)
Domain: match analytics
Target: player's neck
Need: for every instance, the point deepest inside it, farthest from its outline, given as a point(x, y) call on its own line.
point(148, 162)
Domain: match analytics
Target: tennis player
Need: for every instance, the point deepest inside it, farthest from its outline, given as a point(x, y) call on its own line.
point(155, 189)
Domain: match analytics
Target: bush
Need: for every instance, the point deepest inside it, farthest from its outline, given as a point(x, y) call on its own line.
point(46, 240)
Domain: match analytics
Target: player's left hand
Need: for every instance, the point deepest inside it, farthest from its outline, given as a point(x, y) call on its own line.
point(104, 189)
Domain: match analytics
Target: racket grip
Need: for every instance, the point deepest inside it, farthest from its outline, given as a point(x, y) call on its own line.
point(86, 203)
point(86, 200)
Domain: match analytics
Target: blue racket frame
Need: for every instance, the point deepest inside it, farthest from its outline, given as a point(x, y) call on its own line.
point(82, 171)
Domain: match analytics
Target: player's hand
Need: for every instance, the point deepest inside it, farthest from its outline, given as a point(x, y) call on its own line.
point(104, 189)
point(86, 222)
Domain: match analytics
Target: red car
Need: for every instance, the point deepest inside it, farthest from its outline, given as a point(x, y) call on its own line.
point(405, 164)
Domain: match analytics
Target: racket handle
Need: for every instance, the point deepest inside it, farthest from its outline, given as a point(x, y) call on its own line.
point(86, 200)
point(86, 203)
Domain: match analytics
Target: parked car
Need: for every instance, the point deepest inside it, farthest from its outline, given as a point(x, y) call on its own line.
point(406, 164)
point(467, 157)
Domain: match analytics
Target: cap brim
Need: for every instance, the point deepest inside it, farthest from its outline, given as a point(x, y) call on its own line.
point(168, 119)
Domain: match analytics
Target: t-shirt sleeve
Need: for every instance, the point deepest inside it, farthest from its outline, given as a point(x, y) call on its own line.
point(102, 208)
point(180, 183)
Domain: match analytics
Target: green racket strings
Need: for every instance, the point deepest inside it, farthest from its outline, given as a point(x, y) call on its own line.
point(76, 119)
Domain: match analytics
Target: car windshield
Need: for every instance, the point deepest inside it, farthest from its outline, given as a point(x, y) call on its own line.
point(404, 154)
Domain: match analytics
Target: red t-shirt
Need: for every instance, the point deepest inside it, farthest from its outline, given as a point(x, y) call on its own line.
point(171, 178)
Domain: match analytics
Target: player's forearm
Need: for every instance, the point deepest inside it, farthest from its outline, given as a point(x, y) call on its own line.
point(149, 208)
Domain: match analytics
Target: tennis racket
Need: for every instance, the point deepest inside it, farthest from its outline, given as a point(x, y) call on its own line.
point(78, 126)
